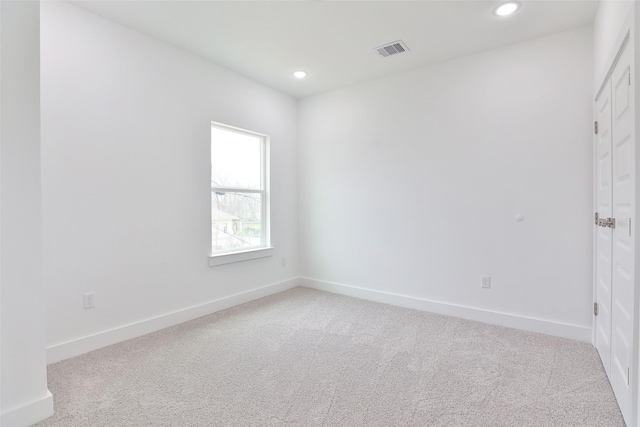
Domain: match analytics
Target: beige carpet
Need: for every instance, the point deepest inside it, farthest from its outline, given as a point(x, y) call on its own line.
point(310, 358)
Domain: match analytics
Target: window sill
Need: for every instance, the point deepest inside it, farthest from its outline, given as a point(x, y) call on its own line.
point(215, 260)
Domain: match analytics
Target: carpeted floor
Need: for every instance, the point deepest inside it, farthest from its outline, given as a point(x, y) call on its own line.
point(311, 358)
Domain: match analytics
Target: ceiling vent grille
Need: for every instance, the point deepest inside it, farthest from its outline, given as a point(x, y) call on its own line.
point(392, 48)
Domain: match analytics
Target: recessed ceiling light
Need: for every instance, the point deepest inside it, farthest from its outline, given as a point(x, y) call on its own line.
point(507, 8)
point(300, 74)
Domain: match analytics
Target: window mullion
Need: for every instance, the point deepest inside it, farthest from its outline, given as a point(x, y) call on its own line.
point(235, 190)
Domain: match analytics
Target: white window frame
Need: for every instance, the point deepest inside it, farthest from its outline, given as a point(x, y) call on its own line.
point(264, 249)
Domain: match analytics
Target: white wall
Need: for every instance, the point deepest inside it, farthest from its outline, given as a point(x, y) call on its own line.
point(23, 389)
point(606, 28)
point(410, 184)
point(125, 170)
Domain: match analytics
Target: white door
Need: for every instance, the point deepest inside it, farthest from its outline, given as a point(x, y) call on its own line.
point(604, 208)
point(615, 244)
point(623, 186)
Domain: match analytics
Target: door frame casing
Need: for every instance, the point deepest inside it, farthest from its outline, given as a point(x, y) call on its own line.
point(603, 235)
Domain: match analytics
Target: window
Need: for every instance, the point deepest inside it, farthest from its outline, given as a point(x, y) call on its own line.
point(239, 195)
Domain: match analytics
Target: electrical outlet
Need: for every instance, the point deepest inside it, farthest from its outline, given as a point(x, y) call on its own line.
point(486, 281)
point(89, 300)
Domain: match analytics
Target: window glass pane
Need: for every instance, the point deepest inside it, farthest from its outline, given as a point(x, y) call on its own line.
point(235, 220)
point(235, 159)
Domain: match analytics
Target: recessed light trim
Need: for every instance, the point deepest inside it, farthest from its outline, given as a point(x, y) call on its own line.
point(300, 74)
point(506, 9)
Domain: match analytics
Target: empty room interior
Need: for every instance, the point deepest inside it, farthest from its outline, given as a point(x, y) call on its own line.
point(310, 213)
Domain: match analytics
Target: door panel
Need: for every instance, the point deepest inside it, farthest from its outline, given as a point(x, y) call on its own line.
point(603, 234)
point(623, 186)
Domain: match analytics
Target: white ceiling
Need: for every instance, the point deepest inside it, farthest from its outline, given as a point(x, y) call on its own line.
point(333, 40)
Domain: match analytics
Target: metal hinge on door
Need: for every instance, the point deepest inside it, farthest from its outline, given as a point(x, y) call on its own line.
point(595, 308)
point(595, 127)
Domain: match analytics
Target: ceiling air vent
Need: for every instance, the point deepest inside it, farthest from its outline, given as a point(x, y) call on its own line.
point(392, 48)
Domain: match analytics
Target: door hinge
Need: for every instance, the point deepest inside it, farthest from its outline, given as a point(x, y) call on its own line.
point(595, 308)
point(595, 127)
point(597, 218)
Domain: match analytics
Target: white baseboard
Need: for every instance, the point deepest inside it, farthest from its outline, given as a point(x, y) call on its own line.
point(89, 343)
point(29, 414)
point(574, 332)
